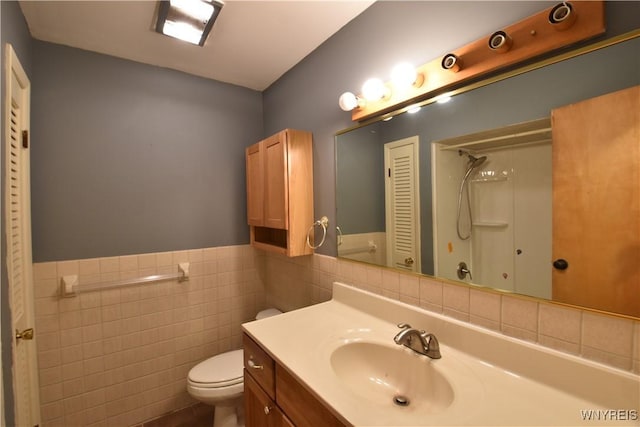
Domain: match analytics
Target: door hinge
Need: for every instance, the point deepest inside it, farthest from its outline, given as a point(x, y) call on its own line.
point(25, 139)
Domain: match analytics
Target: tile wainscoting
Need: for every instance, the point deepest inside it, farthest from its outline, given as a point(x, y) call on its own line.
point(611, 340)
point(120, 357)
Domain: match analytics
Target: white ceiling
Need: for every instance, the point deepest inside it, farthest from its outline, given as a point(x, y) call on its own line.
point(252, 43)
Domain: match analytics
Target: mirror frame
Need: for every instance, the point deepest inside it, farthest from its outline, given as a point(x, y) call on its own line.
point(432, 97)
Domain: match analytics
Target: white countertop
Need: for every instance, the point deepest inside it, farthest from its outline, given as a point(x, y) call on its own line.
point(496, 380)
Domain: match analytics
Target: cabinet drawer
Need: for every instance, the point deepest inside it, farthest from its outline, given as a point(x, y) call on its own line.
point(259, 365)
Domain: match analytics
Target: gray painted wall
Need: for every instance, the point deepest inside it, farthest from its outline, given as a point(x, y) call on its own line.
point(360, 181)
point(387, 33)
point(129, 158)
point(13, 30)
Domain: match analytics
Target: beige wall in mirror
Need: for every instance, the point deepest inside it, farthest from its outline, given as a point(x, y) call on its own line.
point(528, 183)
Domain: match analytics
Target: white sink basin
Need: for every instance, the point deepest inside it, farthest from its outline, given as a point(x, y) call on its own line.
point(392, 375)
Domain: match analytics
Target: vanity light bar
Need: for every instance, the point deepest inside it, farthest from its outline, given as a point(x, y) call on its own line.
point(538, 34)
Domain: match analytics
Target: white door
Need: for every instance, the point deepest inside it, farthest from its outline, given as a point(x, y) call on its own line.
point(402, 204)
point(18, 232)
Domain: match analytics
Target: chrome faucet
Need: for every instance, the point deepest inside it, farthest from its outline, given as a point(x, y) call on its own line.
point(418, 341)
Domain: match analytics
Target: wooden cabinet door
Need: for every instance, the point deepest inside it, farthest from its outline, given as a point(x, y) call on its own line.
point(286, 422)
point(260, 410)
point(302, 408)
point(596, 202)
point(276, 190)
point(255, 184)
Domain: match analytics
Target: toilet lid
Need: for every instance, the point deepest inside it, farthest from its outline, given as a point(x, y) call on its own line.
point(218, 371)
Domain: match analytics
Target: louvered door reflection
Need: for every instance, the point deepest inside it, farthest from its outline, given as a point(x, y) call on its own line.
point(402, 200)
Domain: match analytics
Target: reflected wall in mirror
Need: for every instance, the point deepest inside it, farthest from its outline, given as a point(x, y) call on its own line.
point(490, 152)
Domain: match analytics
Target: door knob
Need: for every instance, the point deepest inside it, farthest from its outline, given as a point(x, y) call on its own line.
point(560, 264)
point(27, 334)
point(408, 261)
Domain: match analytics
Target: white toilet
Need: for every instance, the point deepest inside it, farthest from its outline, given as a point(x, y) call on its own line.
point(218, 381)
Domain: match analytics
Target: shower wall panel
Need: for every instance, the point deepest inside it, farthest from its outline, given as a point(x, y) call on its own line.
point(510, 193)
point(511, 204)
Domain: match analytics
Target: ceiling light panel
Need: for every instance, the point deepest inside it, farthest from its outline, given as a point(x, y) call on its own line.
point(187, 20)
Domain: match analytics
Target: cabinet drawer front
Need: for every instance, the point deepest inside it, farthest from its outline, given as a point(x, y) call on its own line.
point(260, 365)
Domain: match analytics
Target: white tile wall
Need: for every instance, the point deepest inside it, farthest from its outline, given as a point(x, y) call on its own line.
point(120, 357)
point(611, 340)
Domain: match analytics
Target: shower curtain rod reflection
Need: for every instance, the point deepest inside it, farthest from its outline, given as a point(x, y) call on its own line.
point(539, 134)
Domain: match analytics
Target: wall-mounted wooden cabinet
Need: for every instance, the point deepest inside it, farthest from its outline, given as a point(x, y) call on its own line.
point(280, 192)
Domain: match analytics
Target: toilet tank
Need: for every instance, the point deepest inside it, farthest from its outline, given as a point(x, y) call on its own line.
point(267, 313)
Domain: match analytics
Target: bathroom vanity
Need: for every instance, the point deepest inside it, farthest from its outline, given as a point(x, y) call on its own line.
point(336, 364)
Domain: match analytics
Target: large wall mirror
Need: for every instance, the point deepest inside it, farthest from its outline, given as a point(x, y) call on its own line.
point(528, 182)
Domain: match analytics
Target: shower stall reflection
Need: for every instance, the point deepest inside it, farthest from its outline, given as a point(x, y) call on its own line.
point(501, 230)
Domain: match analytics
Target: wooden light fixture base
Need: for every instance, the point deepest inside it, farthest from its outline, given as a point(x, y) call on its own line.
point(528, 38)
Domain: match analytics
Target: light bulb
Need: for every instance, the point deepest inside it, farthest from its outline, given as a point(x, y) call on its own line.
point(404, 75)
point(348, 101)
point(374, 90)
point(413, 109)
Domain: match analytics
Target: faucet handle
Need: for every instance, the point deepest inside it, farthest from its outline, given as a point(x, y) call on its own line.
point(433, 347)
point(404, 325)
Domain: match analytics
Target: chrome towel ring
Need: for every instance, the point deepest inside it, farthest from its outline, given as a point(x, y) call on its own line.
point(322, 222)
